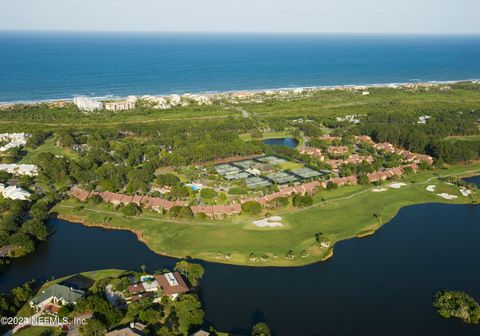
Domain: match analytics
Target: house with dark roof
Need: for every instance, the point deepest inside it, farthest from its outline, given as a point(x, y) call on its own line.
point(172, 284)
point(136, 289)
point(56, 295)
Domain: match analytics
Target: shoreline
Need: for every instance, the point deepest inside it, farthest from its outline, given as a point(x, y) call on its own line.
point(350, 86)
point(299, 262)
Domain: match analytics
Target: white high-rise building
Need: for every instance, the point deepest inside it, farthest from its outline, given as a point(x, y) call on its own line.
point(87, 104)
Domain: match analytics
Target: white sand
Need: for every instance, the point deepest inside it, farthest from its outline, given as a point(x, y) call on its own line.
point(269, 222)
point(465, 192)
point(397, 185)
point(447, 196)
point(431, 187)
point(379, 189)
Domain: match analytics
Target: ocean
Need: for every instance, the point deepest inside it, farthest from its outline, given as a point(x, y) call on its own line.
point(48, 66)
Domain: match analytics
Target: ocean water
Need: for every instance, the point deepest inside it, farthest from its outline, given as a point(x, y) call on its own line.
point(43, 66)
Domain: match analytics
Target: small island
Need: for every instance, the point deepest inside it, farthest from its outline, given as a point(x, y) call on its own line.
point(457, 304)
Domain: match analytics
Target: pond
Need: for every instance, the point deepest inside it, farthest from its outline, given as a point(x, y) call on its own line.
point(380, 285)
point(288, 142)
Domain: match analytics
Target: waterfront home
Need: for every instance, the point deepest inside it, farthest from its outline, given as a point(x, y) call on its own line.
point(136, 289)
point(56, 295)
point(150, 284)
point(80, 194)
point(172, 284)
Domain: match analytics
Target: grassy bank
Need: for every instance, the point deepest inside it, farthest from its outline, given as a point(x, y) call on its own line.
point(340, 214)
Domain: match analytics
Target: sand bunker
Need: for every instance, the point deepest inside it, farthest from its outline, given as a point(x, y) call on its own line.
point(269, 222)
point(431, 187)
point(397, 185)
point(465, 192)
point(447, 196)
point(379, 189)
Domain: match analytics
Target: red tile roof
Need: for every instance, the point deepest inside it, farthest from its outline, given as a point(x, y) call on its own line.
point(168, 205)
point(126, 199)
point(137, 199)
point(312, 151)
point(136, 289)
point(168, 288)
point(80, 194)
point(116, 197)
point(338, 149)
point(363, 138)
point(287, 190)
point(373, 177)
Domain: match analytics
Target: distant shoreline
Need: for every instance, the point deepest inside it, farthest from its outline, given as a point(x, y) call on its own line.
point(263, 90)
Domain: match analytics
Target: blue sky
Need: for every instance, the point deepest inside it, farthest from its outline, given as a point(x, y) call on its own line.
point(337, 16)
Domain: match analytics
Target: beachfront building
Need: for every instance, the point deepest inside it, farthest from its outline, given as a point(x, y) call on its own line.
point(87, 104)
point(19, 169)
point(121, 105)
point(56, 295)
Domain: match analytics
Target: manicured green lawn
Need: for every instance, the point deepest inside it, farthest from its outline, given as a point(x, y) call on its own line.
point(49, 147)
point(291, 165)
point(340, 214)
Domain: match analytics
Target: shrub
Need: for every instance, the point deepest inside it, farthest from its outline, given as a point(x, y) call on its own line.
point(208, 193)
point(131, 209)
point(252, 207)
point(300, 201)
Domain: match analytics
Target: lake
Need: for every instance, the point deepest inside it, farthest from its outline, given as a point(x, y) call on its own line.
point(288, 142)
point(380, 285)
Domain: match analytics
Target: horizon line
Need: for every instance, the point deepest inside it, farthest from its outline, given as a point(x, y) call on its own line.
point(2, 30)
